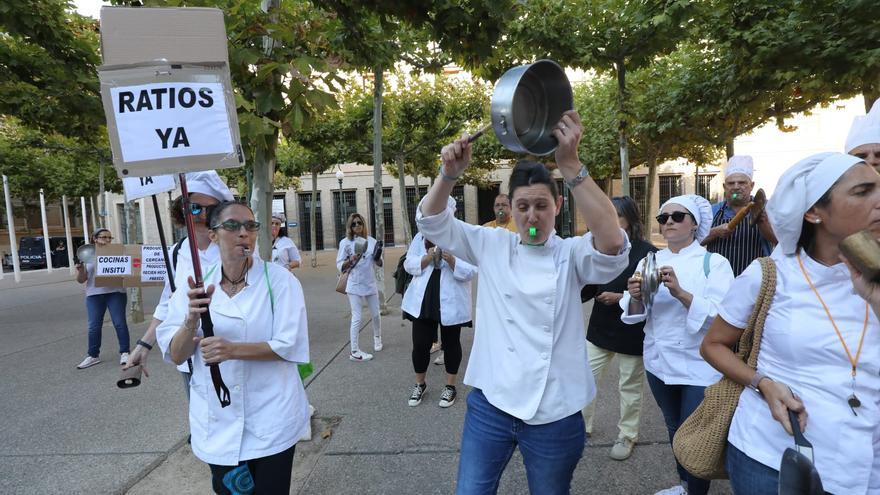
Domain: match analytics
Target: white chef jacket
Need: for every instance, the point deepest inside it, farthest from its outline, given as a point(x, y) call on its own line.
point(269, 409)
point(284, 251)
point(529, 355)
point(208, 257)
point(361, 280)
point(673, 333)
point(800, 348)
point(455, 285)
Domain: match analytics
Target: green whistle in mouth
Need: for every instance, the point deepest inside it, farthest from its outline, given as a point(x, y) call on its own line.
point(734, 195)
point(533, 232)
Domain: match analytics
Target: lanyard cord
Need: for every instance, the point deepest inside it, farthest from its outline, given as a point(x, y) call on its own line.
point(853, 362)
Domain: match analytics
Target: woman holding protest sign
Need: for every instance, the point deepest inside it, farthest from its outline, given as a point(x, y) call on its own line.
point(98, 301)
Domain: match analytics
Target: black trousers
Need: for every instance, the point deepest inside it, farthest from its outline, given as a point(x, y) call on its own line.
point(271, 474)
point(423, 332)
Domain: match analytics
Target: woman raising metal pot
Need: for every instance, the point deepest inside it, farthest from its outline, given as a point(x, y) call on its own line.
point(528, 365)
point(693, 282)
point(260, 334)
point(820, 349)
point(361, 287)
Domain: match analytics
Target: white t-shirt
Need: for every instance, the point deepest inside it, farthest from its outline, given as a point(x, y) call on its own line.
point(91, 290)
point(800, 348)
point(284, 251)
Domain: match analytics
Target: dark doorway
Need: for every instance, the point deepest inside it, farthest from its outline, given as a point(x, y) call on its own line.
point(486, 203)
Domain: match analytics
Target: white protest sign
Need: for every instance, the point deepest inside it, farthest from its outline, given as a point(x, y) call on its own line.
point(141, 187)
point(171, 120)
point(113, 266)
point(152, 264)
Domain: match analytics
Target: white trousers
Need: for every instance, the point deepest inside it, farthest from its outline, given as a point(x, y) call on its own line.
point(357, 303)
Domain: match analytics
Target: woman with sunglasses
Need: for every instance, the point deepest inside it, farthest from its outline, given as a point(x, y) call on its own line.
point(260, 334)
point(98, 301)
point(693, 283)
point(820, 347)
point(361, 287)
point(284, 251)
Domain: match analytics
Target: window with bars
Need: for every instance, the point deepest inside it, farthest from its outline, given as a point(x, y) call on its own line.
point(305, 222)
point(412, 202)
point(387, 215)
point(670, 186)
point(458, 196)
point(565, 220)
point(638, 191)
point(343, 206)
point(703, 185)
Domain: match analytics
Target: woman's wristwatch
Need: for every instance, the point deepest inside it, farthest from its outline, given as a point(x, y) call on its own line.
point(144, 345)
point(577, 179)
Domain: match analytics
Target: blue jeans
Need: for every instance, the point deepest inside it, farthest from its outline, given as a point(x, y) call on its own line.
point(677, 402)
point(96, 306)
point(550, 451)
point(748, 476)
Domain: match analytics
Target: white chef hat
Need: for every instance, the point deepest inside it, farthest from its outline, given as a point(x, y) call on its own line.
point(279, 216)
point(208, 183)
point(699, 207)
point(740, 164)
point(797, 191)
point(865, 129)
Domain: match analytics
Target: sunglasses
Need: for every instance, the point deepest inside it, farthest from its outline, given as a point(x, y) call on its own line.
point(235, 225)
point(677, 217)
point(356, 223)
point(197, 209)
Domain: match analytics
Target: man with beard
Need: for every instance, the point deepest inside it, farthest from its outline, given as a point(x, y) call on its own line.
point(746, 241)
point(502, 214)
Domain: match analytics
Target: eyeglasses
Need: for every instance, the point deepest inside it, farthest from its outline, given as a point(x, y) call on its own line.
point(356, 223)
point(276, 224)
point(235, 225)
point(197, 209)
point(677, 217)
point(104, 237)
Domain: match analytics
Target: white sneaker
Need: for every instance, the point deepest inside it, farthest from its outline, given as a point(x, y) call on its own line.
point(436, 346)
point(88, 362)
point(123, 358)
point(440, 359)
point(360, 356)
point(622, 449)
point(377, 344)
point(311, 411)
point(675, 490)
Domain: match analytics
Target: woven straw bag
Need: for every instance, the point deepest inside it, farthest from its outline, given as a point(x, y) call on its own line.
point(700, 443)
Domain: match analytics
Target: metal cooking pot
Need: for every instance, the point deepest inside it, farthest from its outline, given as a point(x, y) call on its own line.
point(86, 253)
point(527, 103)
point(650, 276)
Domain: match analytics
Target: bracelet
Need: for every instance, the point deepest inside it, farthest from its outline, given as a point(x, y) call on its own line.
point(447, 177)
point(144, 344)
point(580, 177)
point(756, 380)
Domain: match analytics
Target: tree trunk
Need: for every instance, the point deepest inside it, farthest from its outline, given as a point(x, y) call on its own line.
point(621, 128)
point(135, 302)
point(377, 175)
point(404, 208)
point(312, 215)
point(651, 206)
point(261, 195)
point(728, 148)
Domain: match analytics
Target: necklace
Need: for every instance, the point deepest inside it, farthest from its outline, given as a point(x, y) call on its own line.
point(233, 284)
point(852, 400)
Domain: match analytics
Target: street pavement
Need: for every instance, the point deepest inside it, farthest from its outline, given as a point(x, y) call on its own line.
point(73, 431)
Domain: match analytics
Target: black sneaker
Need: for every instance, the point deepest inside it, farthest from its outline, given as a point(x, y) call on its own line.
point(447, 398)
point(417, 393)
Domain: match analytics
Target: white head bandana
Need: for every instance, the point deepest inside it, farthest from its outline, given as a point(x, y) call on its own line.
point(864, 129)
point(739, 164)
point(699, 207)
point(797, 191)
point(208, 183)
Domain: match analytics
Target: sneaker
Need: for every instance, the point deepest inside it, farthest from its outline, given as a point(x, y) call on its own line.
point(447, 398)
point(88, 362)
point(587, 436)
point(675, 490)
point(622, 449)
point(123, 358)
point(436, 346)
point(377, 344)
point(311, 411)
point(439, 359)
point(418, 392)
point(360, 356)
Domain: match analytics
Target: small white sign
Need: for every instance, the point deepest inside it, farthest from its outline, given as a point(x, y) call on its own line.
point(171, 120)
point(141, 187)
point(152, 264)
point(113, 266)
point(278, 205)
